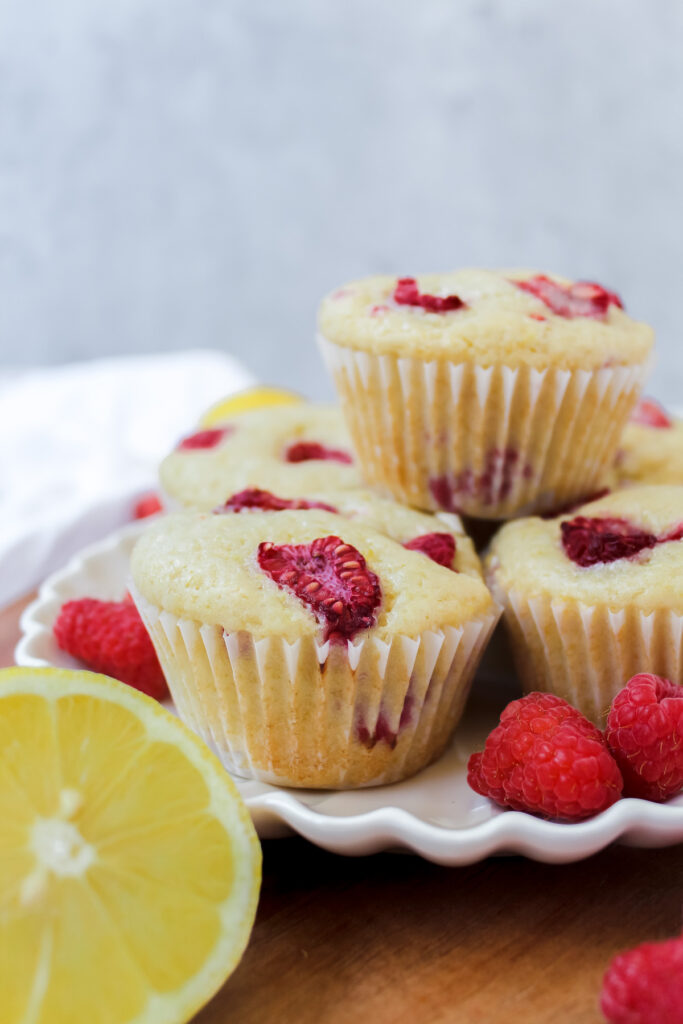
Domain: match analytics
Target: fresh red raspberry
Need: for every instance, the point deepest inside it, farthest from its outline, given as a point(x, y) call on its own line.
point(148, 505)
point(331, 577)
point(407, 293)
point(649, 413)
point(307, 451)
point(645, 985)
point(645, 733)
point(546, 758)
point(253, 497)
point(583, 298)
point(602, 539)
point(110, 637)
point(204, 438)
point(440, 547)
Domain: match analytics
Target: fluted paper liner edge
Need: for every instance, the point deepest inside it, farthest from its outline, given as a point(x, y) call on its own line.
point(587, 653)
point(314, 715)
point(489, 442)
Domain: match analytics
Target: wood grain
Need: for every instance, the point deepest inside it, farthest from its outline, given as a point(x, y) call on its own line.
point(392, 939)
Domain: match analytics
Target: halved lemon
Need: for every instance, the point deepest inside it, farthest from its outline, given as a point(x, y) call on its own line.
point(245, 401)
point(129, 866)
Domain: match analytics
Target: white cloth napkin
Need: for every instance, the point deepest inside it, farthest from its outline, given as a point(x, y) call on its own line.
point(79, 441)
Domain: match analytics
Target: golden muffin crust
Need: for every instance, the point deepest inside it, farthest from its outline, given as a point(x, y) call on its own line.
point(253, 452)
point(204, 567)
point(500, 323)
point(404, 524)
point(649, 455)
point(527, 555)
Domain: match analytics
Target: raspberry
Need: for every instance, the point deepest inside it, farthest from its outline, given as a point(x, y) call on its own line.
point(444, 493)
point(649, 413)
point(252, 497)
point(204, 438)
point(440, 547)
point(589, 541)
point(645, 985)
point(501, 470)
point(546, 758)
point(675, 533)
point(407, 293)
point(110, 637)
point(645, 733)
point(306, 451)
point(329, 576)
point(148, 505)
point(584, 298)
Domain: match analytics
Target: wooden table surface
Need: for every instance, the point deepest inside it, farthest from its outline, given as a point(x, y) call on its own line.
point(392, 939)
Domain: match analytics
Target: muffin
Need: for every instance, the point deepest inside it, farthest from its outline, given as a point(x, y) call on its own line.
point(310, 648)
point(488, 393)
point(595, 596)
point(290, 449)
point(441, 537)
point(650, 450)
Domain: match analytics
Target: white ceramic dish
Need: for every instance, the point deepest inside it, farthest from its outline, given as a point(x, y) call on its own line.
point(434, 814)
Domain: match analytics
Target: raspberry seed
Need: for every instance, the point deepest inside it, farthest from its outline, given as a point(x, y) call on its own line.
point(343, 601)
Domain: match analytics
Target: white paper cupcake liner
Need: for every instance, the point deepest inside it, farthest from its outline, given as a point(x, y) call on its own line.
point(488, 442)
point(315, 715)
point(587, 653)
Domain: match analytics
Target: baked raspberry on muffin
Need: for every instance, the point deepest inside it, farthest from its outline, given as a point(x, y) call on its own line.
point(287, 448)
point(595, 596)
point(308, 647)
point(488, 393)
point(441, 537)
point(650, 450)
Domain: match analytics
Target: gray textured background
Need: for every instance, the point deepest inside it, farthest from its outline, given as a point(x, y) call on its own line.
point(198, 172)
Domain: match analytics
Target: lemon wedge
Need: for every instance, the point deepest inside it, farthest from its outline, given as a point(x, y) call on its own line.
point(129, 866)
point(245, 401)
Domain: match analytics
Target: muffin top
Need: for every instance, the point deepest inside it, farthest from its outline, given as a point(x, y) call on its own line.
point(651, 448)
point(296, 573)
point(516, 317)
point(288, 449)
point(625, 549)
point(440, 536)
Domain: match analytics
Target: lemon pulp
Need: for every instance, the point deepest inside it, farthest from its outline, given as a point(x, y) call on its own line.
point(129, 867)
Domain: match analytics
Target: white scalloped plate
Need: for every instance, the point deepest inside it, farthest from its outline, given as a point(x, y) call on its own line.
point(434, 814)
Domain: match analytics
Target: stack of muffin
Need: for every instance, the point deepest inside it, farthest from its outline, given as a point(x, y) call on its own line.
point(317, 607)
